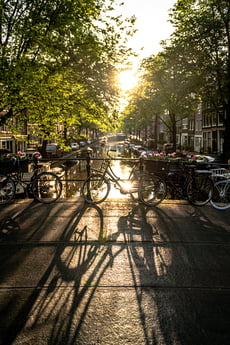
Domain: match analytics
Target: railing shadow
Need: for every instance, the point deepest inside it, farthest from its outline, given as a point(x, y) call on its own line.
point(159, 259)
point(165, 272)
point(74, 273)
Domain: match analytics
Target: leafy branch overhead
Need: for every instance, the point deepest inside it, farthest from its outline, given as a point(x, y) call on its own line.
point(57, 60)
point(193, 67)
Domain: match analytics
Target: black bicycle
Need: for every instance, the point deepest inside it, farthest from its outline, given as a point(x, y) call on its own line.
point(45, 187)
point(183, 180)
point(142, 187)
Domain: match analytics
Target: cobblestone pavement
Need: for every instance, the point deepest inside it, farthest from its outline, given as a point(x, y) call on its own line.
point(114, 274)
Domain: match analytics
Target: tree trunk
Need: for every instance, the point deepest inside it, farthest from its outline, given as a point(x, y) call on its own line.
point(156, 132)
point(174, 132)
point(43, 148)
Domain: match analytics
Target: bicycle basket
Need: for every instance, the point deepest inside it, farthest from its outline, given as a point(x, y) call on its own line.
point(155, 166)
point(8, 166)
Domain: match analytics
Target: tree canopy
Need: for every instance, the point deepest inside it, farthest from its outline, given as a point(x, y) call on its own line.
point(57, 61)
point(194, 64)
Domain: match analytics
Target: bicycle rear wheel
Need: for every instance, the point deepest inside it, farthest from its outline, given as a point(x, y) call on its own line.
point(7, 189)
point(200, 190)
point(47, 187)
point(95, 189)
point(152, 190)
point(221, 195)
point(134, 187)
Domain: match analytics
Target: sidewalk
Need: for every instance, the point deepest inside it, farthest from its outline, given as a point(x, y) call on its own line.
point(114, 274)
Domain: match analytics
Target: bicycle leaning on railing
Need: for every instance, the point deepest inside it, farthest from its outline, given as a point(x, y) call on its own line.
point(45, 187)
point(221, 193)
point(183, 180)
point(96, 187)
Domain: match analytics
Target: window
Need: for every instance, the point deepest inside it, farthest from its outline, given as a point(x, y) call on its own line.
point(191, 124)
point(185, 124)
point(6, 144)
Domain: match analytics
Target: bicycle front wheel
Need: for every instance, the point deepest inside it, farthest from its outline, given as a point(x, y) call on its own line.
point(7, 189)
point(152, 190)
point(47, 187)
point(221, 195)
point(200, 190)
point(95, 189)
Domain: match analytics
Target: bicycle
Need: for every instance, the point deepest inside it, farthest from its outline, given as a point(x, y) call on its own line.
point(184, 180)
point(45, 187)
point(96, 187)
point(221, 194)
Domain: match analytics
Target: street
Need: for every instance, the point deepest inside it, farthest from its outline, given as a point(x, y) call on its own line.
point(114, 274)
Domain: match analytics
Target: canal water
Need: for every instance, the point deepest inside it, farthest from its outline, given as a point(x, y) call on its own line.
point(75, 173)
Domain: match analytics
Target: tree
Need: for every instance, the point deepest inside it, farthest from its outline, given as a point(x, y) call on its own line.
point(137, 116)
point(57, 59)
point(202, 28)
point(167, 90)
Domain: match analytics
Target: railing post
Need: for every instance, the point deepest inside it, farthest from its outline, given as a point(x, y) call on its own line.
point(88, 161)
point(88, 169)
point(141, 159)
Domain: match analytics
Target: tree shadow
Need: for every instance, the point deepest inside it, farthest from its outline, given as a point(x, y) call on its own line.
point(173, 306)
point(73, 274)
point(177, 303)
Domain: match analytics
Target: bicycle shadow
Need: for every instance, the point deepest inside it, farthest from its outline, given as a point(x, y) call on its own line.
point(64, 302)
point(68, 285)
point(165, 272)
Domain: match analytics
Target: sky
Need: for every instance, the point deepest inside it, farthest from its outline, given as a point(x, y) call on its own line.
point(151, 22)
point(153, 27)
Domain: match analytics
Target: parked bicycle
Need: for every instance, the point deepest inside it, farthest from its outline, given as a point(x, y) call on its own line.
point(183, 180)
point(221, 193)
point(96, 187)
point(45, 187)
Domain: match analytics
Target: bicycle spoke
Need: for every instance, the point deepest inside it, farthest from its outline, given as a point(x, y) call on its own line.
point(95, 189)
point(152, 190)
point(7, 189)
point(221, 195)
point(200, 190)
point(47, 187)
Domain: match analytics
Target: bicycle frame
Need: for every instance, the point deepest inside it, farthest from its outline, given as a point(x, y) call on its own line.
point(178, 181)
point(25, 184)
point(110, 175)
point(178, 187)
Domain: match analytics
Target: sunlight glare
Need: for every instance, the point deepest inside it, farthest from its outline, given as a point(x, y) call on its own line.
point(127, 80)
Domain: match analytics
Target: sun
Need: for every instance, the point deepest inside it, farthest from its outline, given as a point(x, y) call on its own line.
point(127, 79)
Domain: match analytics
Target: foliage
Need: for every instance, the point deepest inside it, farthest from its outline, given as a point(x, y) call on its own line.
point(202, 28)
point(137, 115)
point(166, 91)
point(57, 62)
point(176, 157)
point(193, 66)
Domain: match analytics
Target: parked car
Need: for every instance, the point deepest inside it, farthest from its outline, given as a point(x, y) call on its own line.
point(31, 154)
point(82, 143)
point(205, 159)
point(75, 146)
point(138, 150)
point(53, 150)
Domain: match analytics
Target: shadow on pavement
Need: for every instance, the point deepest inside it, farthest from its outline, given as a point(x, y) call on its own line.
point(176, 277)
point(181, 299)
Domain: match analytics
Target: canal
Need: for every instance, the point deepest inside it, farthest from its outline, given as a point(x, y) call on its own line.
point(76, 171)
